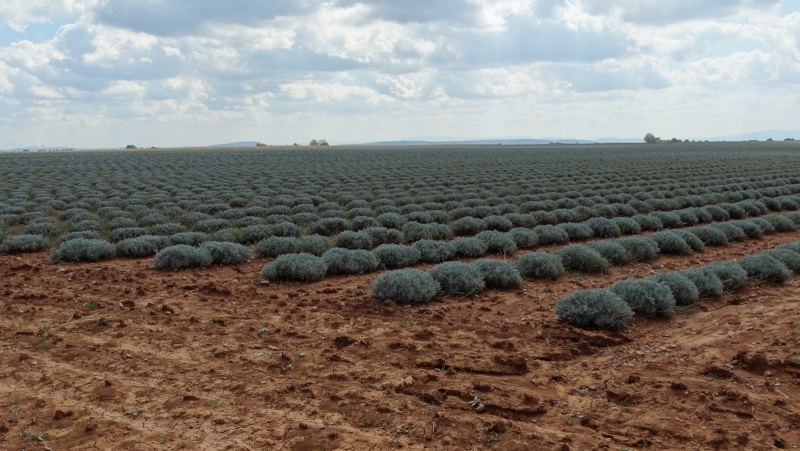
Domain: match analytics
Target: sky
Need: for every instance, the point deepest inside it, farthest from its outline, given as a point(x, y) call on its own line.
point(167, 73)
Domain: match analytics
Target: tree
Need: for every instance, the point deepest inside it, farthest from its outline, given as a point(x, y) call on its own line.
point(313, 142)
point(651, 138)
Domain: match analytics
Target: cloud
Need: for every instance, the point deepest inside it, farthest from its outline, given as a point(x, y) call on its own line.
point(419, 11)
point(613, 76)
point(111, 68)
point(190, 17)
point(524, 41)
point(657, 12)
point(18, 14)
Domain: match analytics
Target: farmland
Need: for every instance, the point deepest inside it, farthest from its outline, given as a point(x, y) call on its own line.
point(402, 297)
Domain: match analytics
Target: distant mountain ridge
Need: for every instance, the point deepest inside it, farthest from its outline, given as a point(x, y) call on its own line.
point(237, 144)
point(510, 141)
point(763, 135)
point(47, 149)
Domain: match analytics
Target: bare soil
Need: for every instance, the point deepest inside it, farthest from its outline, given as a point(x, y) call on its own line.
point(114, 355)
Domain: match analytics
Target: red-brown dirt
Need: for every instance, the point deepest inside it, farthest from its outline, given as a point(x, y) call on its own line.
point(114, 355)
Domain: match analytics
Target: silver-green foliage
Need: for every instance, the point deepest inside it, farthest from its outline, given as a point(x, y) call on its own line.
point(524, 238)
point(188, 238)
point(89, 235)
point(710, 236)
point(329, 226)
point(456, 278)
point(295, 267)
point(182, 256)
point(787, 256)
point(141, 246)
point(707, 282)
point(498, 242)
point(46, 228)
point(405, 286)
point(470, 247)
point(125, 233)
point(646, 297)
point(384, 235)
point(639, 248)
point(20, 244)
point(612, 251)
point(590, 309)
point(576, 232)
point(691, 239)
point(671, 243)
point(434, 251)
point(224, 253)
point(549, 234)
point(414, 231)
point(765, 267)
point(83, 250)
point(314, 244)
point(781, 223)
point(392, 256)
point(683, 289)
point(732, 231)
point(627, 225)
point(604, 228)
point(647, 222)
point(731, 274)
point(349, 261)
point(539, 265)
point(468, 226)
point(582, 259)
point(497, 273)
point(354, 240)
point(751, 229)
point(275, 246)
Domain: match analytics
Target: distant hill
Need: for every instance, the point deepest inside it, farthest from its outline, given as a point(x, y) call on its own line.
point(763, 135)
point(617, 140)
point(776, 134)
point(47, 149)
point(486, 142)
point(237, 144)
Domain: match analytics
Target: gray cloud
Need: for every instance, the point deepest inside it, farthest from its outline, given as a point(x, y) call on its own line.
point(297, 59)
point(583, 78)
point(659, 12)
point(526, 41)
point(418, 11)
point(182, 17)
